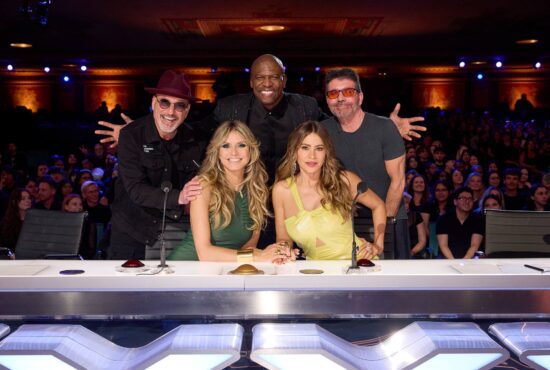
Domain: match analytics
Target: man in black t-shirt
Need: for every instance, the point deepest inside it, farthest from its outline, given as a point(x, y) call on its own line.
point(460, 233)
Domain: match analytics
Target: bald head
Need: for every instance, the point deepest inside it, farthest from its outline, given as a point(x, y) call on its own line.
point(268, 80)
point(270, 58)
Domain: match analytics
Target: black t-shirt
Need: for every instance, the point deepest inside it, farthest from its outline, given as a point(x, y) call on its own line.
point(460, 235)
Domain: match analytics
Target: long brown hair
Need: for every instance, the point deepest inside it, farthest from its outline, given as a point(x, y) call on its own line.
point(335, 192)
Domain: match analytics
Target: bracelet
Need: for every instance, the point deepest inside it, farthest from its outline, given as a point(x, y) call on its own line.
point(245, 255)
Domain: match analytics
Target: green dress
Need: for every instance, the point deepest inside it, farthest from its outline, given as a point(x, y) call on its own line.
point(233, 236)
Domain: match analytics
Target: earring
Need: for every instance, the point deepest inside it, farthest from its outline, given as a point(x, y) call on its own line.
point(293, 169)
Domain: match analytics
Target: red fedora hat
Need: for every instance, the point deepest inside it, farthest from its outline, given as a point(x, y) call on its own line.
point(174, 84)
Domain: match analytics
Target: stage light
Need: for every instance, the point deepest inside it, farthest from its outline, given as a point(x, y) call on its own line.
point(9, 67)
point(247, 70)
point(317, 69)
point(213, 69)
point(462, 64)
point(537, 65)
point(498, 64)
point(47, 69)
point(301, 78)
point(66, 78)
point(480, 76)
point(83, 68)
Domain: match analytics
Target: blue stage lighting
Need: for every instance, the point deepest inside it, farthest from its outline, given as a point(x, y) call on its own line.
point(538, 65)
point(317, 69)
point(480, 76)
point(83, 68)
point(247, 70)
point(66, 78)
point(462, 64)
point(47, 69)
point(498, 64)
point(10, 67)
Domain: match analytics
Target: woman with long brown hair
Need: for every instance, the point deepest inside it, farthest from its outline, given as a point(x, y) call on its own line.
point(312, 199)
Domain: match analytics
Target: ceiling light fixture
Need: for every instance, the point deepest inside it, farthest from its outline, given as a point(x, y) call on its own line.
point(271, 28)
point(527, 41)
point(21, 45)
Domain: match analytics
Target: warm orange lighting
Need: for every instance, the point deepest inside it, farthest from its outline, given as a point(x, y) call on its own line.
point(527, 41)
point(271, 28)
point(479, 62)
point(20, 45)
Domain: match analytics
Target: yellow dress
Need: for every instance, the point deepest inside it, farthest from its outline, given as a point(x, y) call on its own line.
point(321, 233)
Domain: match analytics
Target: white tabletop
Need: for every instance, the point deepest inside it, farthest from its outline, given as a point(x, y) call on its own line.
point(43, 275)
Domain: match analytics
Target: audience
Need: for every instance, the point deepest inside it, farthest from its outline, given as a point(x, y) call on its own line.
point(512, 156)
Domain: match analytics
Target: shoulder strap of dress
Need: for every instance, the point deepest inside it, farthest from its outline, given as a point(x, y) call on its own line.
point(294, 191)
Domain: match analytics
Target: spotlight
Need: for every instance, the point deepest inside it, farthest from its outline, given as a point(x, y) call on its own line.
point(213, 69)
point(66, 78)
point(10, 67)
point(480, 76)
point(317, 69)
point(247, 70)
point(462, 64)
point(498, 64)
point(47, 69)
point(83, 68)
point(301, 78)
point(537, 65)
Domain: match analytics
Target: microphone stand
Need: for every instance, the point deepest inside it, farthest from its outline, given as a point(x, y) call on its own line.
point(166, 187)
point(361, 187)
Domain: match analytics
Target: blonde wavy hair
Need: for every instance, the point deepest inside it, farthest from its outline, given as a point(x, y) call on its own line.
point(335, 192)
point(222, 202)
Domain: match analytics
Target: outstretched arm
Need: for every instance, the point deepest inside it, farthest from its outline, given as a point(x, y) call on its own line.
point(407, 130)
point(114, 132)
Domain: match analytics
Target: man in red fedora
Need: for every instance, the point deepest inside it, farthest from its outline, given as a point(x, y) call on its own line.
point(156, 149)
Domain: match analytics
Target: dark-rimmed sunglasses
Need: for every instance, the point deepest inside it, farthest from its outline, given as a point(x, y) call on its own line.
point(166, 104)
point(347, 93)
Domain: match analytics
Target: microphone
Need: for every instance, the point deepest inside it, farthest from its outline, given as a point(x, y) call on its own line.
point(165, 186)
point(361, 188)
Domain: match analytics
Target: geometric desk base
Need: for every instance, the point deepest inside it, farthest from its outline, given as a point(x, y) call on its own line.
point(530, 341)
point(209, 346)
point(420, 345)
point(4, 330)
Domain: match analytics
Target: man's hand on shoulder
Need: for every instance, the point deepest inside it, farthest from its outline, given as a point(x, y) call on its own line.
point(190, 191)
point(407, 130)
point(114, 133)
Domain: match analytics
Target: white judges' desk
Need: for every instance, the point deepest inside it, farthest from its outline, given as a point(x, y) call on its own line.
point(487, 288)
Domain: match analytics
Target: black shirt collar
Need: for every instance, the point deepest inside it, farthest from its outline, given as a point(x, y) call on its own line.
point(278, 111)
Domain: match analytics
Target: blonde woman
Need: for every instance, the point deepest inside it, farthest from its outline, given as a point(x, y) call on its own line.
point(226, 218)
point(312, 199)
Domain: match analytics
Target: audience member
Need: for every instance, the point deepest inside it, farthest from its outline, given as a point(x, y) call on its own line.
point(10, 227)
point(47, 189)
point(538, 198)
point(475, 182)
point(72, 203)
point(417, 230)
point(513, 198)
point(460, 233)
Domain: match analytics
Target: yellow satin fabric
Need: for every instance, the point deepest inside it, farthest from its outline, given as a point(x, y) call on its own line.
point(321, 233)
